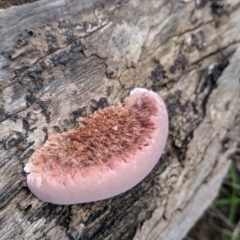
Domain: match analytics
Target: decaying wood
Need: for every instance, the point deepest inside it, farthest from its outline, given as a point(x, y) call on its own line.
point(60, 60)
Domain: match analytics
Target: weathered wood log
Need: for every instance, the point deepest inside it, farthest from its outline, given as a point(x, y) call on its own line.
point(60, 60)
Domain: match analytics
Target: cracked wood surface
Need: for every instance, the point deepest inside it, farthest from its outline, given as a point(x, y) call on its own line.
point(60, 60)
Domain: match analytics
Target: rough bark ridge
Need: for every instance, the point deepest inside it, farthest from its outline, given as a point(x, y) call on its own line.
point(60, 60)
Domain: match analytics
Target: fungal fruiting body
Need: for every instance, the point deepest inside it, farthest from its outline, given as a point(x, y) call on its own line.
point(111, 151)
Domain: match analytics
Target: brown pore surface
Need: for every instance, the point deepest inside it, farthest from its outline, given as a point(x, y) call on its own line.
point(108, 135)
point(61, 60)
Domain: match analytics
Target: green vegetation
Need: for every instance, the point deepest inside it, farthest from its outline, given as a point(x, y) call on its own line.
point(228, 203)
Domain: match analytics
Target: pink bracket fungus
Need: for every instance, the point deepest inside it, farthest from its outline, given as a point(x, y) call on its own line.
point(113, 150)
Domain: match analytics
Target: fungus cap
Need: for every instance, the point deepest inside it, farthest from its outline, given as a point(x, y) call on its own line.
point(112, 151)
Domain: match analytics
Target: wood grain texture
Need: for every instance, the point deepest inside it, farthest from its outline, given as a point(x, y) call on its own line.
point(9, 3)
point(60, 60)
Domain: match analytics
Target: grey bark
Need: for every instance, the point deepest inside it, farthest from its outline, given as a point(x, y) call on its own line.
point(60, 60)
